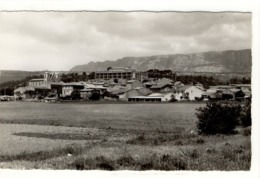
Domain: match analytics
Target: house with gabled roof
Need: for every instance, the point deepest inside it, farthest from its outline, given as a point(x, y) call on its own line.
point(132, 84)
point(187, 92)
point(125, 93)
point(232, 94)
point(164, 81)
point(165, 97)
point(161, 88)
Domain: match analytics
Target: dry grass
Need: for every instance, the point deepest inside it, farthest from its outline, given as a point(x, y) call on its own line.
point(132, 117)
point(123, 137)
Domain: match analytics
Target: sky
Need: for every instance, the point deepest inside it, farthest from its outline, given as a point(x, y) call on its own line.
point(58, 41)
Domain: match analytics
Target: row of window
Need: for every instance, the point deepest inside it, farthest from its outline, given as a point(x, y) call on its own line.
point(110, 75)
point(36, 83)
point(67, 91)
point(68, 87)
point(180, 92)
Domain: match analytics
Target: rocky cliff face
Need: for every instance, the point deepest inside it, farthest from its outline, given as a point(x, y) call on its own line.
point(224, 61)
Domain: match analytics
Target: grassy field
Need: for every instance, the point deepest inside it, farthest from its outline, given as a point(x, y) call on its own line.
point(115, 137)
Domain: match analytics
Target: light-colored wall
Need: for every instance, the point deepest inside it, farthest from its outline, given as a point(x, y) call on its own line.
point(36, 83)
point(194, 92)
point(178, 96)
point(67, 90)
point(167, 97)
point(40, 83)
point(128, 94)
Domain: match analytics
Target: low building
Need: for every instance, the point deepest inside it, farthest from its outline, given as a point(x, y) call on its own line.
point(69, 88)
point(142, 76)
point(164, 81)
point(232, 94)
point(188, 92)
point(90, 94)
point(178, 84)
point(129, 93)
point(161, 88)
point(145, 99)
point(166, 97)
point(30, 92)
point(213, 96)
point(132, 84)
point(149, 84)
point(241, 86)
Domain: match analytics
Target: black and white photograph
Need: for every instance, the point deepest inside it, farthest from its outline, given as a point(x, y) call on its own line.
point(126, 90)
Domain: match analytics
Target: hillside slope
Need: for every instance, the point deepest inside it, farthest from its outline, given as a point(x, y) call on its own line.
point(212, 61)
point(9, 75)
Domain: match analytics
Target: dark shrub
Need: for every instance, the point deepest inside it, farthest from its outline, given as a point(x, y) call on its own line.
point(75, 95)
point(193, 154)
point(104, 163)
point(147, 166)
point(173, 100)
point(218, 117)
point(126, 161)
point(79, 164)
point(165, 162)
point(200, 141)
point(246, 115)
point(106, 166)
point(246, 131)
point(138, 140)
point(95, 96)
point(168, 162)
point(178, 142)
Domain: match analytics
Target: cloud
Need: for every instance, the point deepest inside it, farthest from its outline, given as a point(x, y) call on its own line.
point(60, 40)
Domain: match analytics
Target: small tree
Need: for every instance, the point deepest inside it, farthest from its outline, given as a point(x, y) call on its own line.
point(95, 96)
point(218, 117)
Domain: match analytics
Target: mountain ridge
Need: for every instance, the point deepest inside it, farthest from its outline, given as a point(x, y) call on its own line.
point(211, 61)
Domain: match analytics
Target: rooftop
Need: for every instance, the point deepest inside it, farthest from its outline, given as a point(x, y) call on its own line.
point(147, 97)
point(74, 84)
point(117, 69)
point(37, 79)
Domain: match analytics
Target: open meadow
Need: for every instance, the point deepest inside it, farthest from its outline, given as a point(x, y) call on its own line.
point(156, 136)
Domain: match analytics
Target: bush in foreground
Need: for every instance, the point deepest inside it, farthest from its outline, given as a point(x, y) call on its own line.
point(245, 118)
point(218, 117)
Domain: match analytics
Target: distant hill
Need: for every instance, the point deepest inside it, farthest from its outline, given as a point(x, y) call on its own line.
point(9, 75)
point(213, 61)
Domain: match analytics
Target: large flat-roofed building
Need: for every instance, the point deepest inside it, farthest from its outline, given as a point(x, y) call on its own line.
point(116, 73)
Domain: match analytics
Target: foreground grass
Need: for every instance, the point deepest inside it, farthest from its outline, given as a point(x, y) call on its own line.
point(132, 117)
point(145, 152)
point(127, 137)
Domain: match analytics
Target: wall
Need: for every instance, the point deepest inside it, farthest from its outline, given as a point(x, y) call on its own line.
point(194, 92)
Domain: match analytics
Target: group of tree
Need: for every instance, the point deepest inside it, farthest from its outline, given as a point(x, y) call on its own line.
point(236, 80)
point(208, 81)
point(157, 74)
point(75, 77)
point(223, 117)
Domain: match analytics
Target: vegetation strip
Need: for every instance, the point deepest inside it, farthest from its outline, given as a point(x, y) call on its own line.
point(59, 136)
point(43, 155)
